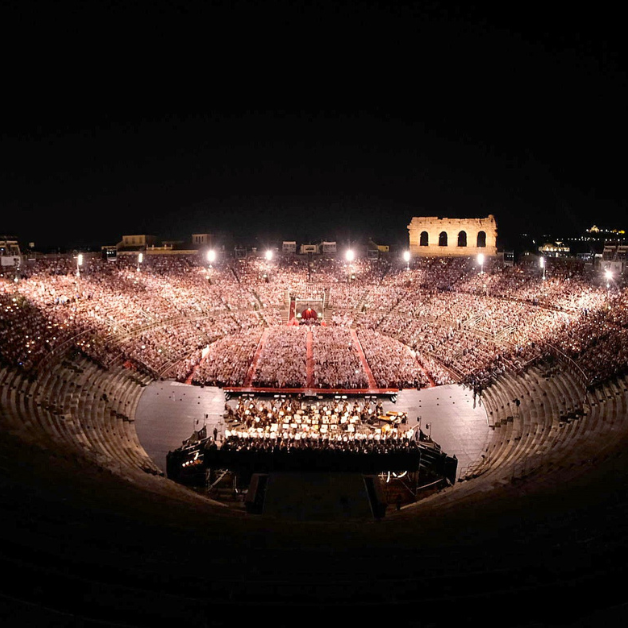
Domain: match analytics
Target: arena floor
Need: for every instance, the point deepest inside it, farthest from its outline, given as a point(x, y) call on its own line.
point(168, 412)
point(457, 422)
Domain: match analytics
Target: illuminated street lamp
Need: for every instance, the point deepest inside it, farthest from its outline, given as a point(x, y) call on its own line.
point(406, 259)
point(269, 256)
point(79, 263)
point(608, 273)
point(349, 256)
point(542, 265)
point(211, 258)
point(481, 262)
point(140, 259)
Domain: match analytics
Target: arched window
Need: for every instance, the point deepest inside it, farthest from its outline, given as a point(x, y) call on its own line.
point(442, 238)
point(481, 239)
point(462, 238)
point(425, 239)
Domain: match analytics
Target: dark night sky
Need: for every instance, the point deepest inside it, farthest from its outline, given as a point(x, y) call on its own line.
point(337, 120)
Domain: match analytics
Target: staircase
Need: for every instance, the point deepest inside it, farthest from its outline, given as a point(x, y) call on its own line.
point(365, 365)
point(253, 367)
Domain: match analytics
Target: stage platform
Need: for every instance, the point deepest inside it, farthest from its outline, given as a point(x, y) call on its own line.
point(168, 412)
point(457, 420)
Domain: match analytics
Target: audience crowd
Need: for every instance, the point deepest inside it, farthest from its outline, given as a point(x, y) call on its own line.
point(282, 362)
point(441, 320)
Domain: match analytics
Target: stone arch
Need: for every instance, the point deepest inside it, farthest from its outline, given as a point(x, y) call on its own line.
point(462, 238)
point(481, 239)
point(423, 232)
point(442, 238)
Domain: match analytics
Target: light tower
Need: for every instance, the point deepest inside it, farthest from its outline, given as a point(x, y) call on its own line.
point(542, 265)
point(269, 256)
point(349, 256)
point(481, 262)
point(608, 273)
point(406, 259)
point(211, 258)
point(79, 263)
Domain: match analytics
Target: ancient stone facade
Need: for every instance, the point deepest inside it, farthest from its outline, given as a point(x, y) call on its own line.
point(453, 236)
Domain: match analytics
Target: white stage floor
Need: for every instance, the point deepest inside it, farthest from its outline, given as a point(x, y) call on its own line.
point(168, 412)
point(457, 424)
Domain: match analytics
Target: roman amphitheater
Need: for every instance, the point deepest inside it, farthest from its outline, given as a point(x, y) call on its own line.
point(518, 374)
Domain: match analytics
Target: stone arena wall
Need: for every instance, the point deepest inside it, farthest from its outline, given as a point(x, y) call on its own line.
point(435, 236)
